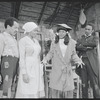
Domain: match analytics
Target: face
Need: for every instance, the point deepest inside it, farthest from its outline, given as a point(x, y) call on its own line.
point(62, 33)
point(35, 32)
point(14, 29)
point(88, 30)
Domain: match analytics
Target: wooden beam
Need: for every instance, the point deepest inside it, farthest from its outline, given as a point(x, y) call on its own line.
point(17, 8)
point(13, 9)
point(77, 22)
point(89, 5)
point(56, 11)
point(70, 12)
point(42, 11)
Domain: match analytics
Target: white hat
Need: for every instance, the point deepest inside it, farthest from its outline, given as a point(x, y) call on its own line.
point(66, 26)
point(29, 26)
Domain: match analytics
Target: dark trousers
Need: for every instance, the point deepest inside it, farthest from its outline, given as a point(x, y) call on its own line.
point(60, 94)
point(89, 75)
point(9, 67)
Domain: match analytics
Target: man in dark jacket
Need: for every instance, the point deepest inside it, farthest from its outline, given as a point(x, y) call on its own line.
point(87, 48)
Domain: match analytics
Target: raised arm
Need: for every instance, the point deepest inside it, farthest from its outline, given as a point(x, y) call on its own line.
point(75, 57)
point(49, 54)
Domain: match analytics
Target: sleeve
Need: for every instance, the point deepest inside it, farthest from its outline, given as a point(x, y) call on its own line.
point(1, 45)
point(92, 42)
point(79, 46)
point(50, 53)
point(75, 57)
point(22, 56)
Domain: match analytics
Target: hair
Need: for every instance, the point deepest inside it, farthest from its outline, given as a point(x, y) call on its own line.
point(90, 24)
point(10, 21)
point(66, 39)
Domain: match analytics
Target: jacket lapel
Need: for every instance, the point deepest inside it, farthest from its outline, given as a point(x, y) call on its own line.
point(59, 53)
point(68, 52)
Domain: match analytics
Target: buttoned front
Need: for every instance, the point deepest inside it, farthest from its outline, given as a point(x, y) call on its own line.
point(61, 76)
point(8, 45)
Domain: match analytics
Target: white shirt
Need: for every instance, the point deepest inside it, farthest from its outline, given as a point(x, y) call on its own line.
point(63, 47)
point(8, 45)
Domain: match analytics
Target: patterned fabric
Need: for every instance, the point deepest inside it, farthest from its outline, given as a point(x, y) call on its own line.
point(8, 45)
point(9, 67)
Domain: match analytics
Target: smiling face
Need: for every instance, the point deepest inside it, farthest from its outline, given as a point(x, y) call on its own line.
point(35, 32)
point(88, 30)
point(13, 29)
point(62, 33)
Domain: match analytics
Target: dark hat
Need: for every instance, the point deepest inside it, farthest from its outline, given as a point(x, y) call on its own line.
point(63, 27)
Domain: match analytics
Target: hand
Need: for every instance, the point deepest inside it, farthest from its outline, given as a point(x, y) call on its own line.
point(25, 78)
point(80, 64)
point(0, 79)
point(44, 61)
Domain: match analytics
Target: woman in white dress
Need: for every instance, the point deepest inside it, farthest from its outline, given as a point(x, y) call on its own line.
point(30, 83)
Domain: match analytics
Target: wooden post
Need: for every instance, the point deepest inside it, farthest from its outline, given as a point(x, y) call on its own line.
point(98, 51)
point(45, 77)
point(98, 35)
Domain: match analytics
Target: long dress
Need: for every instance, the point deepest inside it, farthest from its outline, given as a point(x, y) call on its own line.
point(30, 64)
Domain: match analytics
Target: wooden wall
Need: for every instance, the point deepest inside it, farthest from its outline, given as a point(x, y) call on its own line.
point(47, 13)
point(92, 16)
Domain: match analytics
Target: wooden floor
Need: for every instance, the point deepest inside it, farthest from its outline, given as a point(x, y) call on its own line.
point(77, 93)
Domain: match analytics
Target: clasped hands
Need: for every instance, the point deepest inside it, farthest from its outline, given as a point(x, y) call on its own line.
point(25, 78)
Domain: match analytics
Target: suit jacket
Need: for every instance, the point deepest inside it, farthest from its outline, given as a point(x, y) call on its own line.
point(88, 45)
point(61, 76)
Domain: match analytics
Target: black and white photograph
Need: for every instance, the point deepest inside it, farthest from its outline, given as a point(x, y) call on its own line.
point(50, 49)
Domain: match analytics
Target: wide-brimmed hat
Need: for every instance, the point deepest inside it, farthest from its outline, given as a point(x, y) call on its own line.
point(63, 27)
point(29, 26)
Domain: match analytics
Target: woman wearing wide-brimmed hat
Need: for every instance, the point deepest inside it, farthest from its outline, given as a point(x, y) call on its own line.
point(62, 52)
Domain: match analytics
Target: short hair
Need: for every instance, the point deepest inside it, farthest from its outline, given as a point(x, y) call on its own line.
point(10, 21)
point(90, 24)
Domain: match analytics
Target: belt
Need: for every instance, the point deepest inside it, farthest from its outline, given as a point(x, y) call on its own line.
point(84, 57)
point(10, 56)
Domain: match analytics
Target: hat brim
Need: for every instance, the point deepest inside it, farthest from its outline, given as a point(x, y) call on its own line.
point(65, 26)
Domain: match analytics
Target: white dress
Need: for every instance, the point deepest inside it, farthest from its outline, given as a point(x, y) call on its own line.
point(30, 63)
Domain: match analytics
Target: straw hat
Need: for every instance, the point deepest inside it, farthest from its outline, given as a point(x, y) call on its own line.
point(65, 26)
